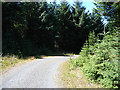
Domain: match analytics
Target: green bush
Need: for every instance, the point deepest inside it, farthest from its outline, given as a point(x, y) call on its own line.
point(99, 61)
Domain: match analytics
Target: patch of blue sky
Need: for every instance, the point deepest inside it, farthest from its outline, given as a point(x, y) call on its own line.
point(87, 3)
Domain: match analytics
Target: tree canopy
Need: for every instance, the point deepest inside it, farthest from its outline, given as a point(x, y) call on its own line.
point(39, 26)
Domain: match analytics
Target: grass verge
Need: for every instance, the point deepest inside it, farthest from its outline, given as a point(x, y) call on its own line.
point(74, 78)
point(7, 62)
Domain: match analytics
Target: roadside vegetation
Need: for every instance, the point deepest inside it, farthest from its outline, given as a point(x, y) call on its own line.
point(11, 61)
point(99, 57)
point(74, 77)
point(100, 61)
point(97, 65)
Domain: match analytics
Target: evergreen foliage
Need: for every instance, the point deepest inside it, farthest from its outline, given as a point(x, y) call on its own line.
point(36, 27)
point(100, 62)
point(99, 58)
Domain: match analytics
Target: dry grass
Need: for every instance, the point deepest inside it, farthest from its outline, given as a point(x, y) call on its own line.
point(7, 62)
point(74, 78)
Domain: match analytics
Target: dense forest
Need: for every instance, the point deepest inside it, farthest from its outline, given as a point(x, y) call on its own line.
point(99, 58)
point(31, 28)
point(34, 28)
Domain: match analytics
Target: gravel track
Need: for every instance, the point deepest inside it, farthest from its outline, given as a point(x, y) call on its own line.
point(40, 73)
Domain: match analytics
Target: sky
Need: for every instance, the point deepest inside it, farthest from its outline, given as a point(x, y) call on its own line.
point(87, 3)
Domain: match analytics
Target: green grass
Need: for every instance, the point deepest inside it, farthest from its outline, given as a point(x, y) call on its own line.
point(74, 78)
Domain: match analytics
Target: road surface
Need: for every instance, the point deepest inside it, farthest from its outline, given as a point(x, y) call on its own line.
point(40, 73)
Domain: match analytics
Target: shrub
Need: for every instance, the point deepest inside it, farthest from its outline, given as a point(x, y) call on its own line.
point(99, 61)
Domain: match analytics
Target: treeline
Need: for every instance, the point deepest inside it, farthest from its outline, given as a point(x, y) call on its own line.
point(34, 28)
point(99, 59)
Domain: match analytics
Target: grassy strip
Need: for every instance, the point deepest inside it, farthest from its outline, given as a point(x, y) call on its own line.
point(74, 78)
point(11, 61)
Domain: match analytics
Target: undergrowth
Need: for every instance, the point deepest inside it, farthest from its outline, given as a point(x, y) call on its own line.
point(74, 78)
point(99, 60)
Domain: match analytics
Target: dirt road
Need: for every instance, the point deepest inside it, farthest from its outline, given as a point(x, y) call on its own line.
point(40, 73)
